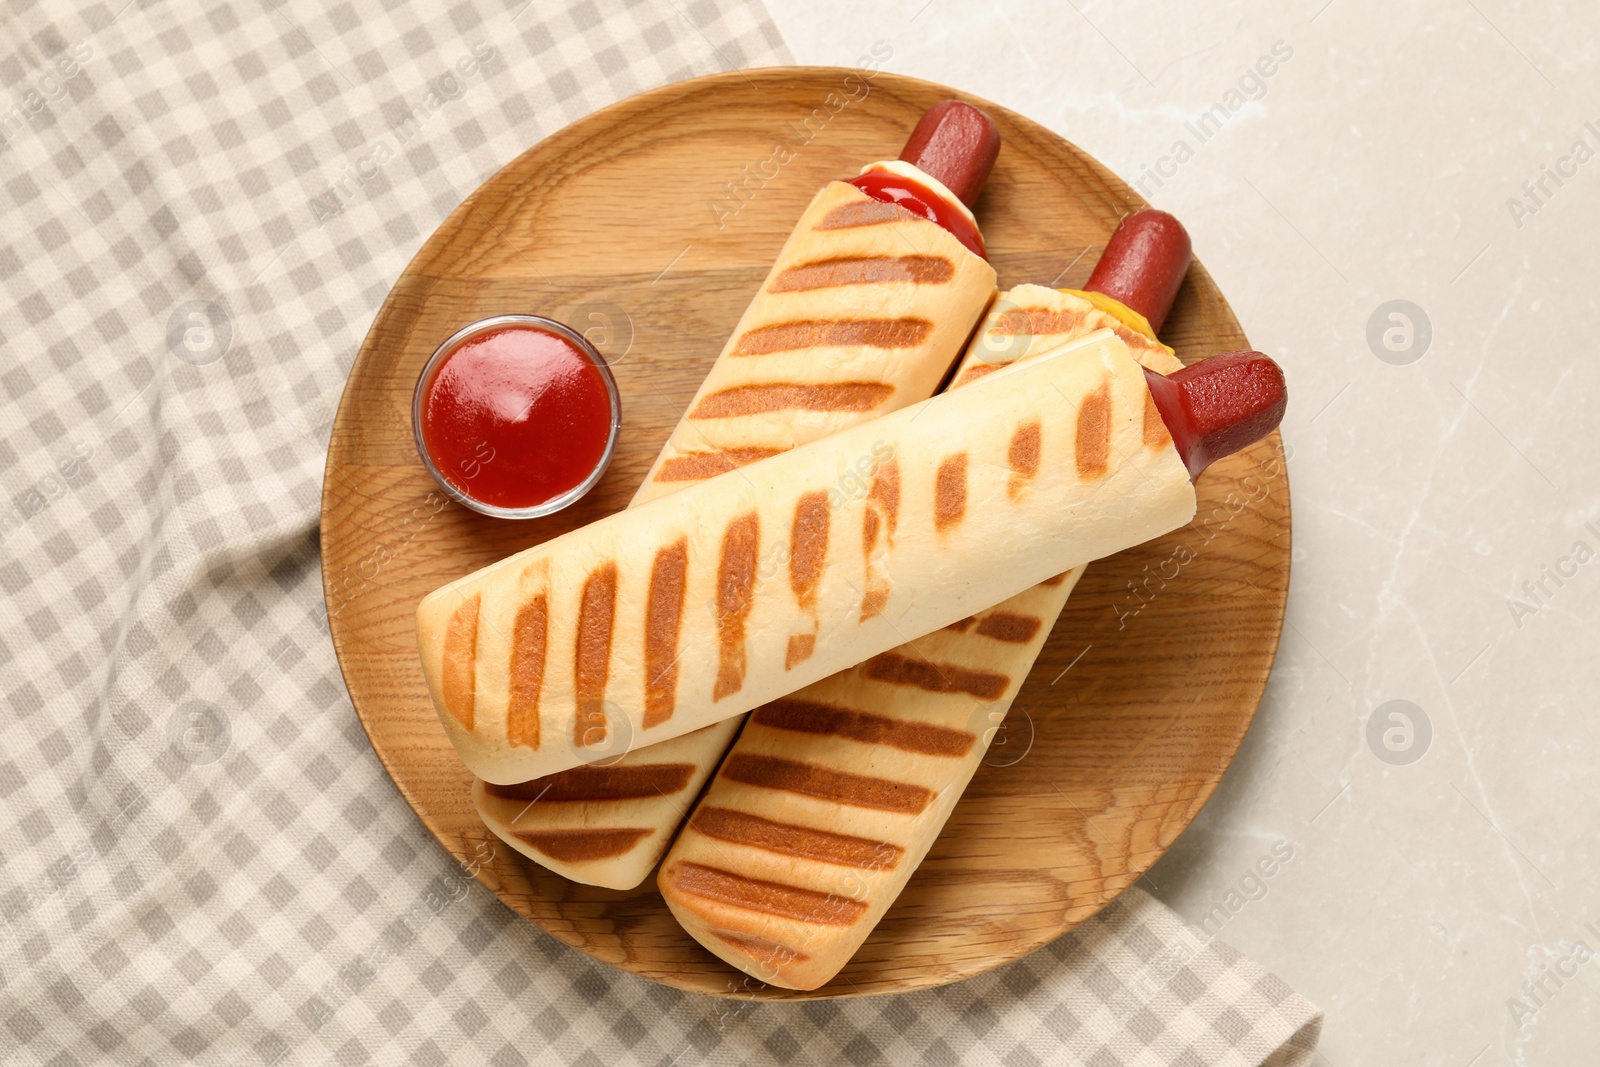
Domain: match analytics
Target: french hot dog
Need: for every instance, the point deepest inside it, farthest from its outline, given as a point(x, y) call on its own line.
point(877, 288)
point(784, 879)
point(1066, 459)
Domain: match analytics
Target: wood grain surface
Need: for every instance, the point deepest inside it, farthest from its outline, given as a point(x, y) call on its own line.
point(650, 225)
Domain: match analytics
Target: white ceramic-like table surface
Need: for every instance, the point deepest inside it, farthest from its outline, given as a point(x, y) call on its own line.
point(1443, 479)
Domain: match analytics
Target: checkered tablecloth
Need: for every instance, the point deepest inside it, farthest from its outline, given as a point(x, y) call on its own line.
point(200, 857)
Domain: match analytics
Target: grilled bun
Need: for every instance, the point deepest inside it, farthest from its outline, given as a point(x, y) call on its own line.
point(973, 497)
point(831, 797)
point(866, 292)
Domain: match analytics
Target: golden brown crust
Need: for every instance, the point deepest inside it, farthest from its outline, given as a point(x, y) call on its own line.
point(813, 717)
point(789, 839)
point(1092, 444)
point(736, 580)
point(585, 784)
point(698, 466)
point(1023, 455)
point(784, 396)
point(833, 333)
point(774, 898)
point(863, 270)
point(529, 638)
point(950, 491)
point(662, 621)
point(460, 662)
point(591, 661)
point(584, 846)
point(840, 787)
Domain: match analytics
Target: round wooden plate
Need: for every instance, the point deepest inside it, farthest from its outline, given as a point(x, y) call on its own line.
point(650, 225)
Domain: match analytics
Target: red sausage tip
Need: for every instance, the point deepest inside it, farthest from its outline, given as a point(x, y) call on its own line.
point(1220, 405)
point(955, 143)
point(1143, 264)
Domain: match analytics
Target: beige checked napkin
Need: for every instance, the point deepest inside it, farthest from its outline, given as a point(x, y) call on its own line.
point(200, 857)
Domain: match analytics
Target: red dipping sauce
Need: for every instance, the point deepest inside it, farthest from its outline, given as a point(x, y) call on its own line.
point(516, 416)
point(920, 200)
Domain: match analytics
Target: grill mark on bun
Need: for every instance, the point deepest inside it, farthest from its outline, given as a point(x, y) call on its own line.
point(1012, 627)
point(896, 669)
point(1038, 322)
point(773, 898)
point(662, 619)
point(1133, 338)
point(879, 519)
point(591, 660)
point(976, 371)
point(698, 466)
point(1155, 427)
point(801, 646)
point(458, 679)
point(840, 787)
point(578, 846)
point(885, 493)
point(789, 396)
point(770, 954)
point(864, 270)
point(871, 524)
point(528, 637)
point(808, 540)
point(950, 491)
point(864, 212)
point(789, 839)
point(1092, 447)
point(832, 333)
point(1058, 579)
point(736, 579)
point(961, 626)
point(623, 781)
point(812, 717)
point(1023, 456)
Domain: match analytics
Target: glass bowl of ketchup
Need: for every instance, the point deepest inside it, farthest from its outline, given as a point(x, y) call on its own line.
point(516, 416)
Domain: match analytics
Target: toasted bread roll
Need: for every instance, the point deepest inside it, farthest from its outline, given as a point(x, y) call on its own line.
point(601, 823)
point(864, 311)
point(830, 798)
point(973, 497)
point(862, 292)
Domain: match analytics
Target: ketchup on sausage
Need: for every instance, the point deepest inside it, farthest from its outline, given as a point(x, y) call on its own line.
point(515, 417)
point(955, 144)
point(920, 200)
